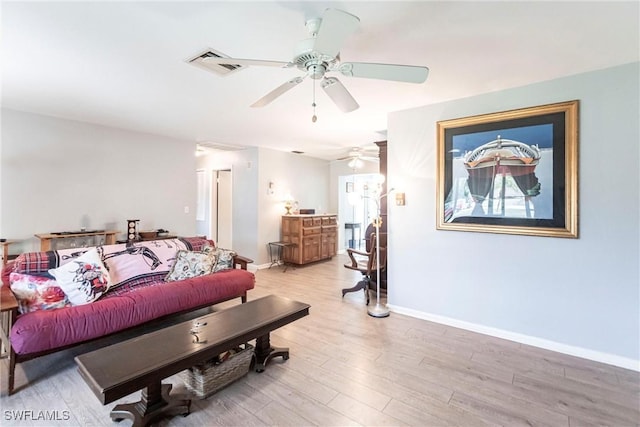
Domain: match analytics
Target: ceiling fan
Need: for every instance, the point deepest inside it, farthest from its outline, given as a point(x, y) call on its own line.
point(357, 155)
point(320, 54)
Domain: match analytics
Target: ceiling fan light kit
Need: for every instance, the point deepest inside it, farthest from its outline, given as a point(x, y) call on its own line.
point(320, 54)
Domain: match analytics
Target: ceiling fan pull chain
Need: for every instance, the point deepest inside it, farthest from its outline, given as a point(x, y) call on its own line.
point(314, 118)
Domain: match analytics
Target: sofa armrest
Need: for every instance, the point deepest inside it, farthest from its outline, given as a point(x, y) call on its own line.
point(241, 261)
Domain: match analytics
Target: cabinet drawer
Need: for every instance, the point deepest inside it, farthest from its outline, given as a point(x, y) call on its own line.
point(310, 231)
point(317, 222)
point(307, 222)
point(329, 229)
point(329, 220)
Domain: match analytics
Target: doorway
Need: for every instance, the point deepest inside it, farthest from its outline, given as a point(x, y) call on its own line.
point(356, 209)
point(221, 208)
point(214, 206)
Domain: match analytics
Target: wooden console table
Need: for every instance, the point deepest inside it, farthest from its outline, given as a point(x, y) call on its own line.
point(47, 240)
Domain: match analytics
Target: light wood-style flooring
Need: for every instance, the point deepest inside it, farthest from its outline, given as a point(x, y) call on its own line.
point(347, 368)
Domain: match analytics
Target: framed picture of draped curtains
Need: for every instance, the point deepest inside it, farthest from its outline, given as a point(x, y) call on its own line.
point(512, 172)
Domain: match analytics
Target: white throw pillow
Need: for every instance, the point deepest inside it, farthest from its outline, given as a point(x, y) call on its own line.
point(84, 279)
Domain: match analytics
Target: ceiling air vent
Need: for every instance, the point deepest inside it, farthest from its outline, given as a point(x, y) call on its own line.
point(220, 69)
point(219, 146)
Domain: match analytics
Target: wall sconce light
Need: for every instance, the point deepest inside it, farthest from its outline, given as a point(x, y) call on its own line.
point(400, 199)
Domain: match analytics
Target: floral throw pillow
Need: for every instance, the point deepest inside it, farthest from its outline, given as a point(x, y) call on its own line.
point(84, 279)
point(191, 264)
point(224, 256)
point(36, 293)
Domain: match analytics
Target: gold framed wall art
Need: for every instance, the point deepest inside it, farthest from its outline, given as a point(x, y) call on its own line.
point(511, 172)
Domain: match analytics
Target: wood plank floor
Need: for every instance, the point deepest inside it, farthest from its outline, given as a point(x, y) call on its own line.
point(347, 368)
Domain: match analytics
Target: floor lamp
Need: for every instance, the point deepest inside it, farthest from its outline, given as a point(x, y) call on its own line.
point(378, 310)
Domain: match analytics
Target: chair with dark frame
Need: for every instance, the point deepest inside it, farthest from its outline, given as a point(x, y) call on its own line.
point(365, 263)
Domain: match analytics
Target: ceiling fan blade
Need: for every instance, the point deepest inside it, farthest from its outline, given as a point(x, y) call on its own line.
point(246, 62)
point(400, 73)
point(268, 98)
point(339, 94)
point(335, 27)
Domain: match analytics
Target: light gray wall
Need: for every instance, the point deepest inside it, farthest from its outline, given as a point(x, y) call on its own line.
point(305, 178)
point(246, 214)
point(60, 175)
point(576, 295)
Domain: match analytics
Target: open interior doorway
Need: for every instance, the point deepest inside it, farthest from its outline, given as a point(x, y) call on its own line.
point(221, 208)
point(356, 209)
point(214, 206)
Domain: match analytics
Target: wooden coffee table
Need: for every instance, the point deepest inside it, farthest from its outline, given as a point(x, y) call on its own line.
point(142, 363)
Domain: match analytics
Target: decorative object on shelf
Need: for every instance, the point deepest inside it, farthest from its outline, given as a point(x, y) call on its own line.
point(132, 230)
point(148, 234)
point(512, 172)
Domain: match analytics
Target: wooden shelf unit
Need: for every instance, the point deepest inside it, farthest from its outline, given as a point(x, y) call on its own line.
point(51, 241)
point(313, 237)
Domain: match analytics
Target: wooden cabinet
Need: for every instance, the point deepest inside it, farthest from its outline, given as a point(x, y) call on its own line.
point(314, 237)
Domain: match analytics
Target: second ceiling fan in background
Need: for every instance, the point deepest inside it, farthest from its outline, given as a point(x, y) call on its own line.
point(320, 54)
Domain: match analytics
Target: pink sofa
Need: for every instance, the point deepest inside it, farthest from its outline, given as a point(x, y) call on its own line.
point(139, 301)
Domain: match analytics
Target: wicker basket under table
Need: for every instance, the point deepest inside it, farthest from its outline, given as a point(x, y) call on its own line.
point(207, 378)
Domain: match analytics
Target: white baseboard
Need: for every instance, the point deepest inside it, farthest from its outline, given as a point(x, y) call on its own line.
point(255, 267)
point(610, 359)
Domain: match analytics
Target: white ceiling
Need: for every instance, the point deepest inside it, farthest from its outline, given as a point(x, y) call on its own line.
point(122, 64)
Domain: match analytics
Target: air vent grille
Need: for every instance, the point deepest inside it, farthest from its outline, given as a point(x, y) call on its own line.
point(221, 147)
point(220, 69)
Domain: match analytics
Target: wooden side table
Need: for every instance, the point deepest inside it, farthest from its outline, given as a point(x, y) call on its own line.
point(276, 255)
point(5, 250)
point(353, 226)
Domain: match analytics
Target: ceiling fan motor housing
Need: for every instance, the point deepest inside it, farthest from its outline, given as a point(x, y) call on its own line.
point(314, 63)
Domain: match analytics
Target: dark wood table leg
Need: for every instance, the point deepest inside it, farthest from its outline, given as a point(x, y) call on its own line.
point(363, 284)
point(155, 402)
point(264, 352)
